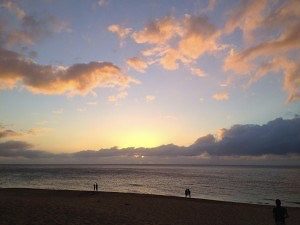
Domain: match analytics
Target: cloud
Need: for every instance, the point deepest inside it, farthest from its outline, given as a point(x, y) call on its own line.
point(17, 149)
point(222, 96)
point(119, 96)
point(14, 8)
point(82, 109)
point(278, 138)
point(92, 103)
point(137, 64)
point(79, 78)
point(58, 111)
point(273, 53)
point(198, 37)
point(102, 3)
point(211, 5)
point(157, 32)
point(30, 29)
point(119, 31)
point(8, 133)
point(198, 72)
point(247, 16)
point(177, 40)
point(150, 98)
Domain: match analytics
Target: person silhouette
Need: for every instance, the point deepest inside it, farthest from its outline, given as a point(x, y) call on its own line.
point(279, 213)
point(186, 192)
point(189, 193)
point(96, 185)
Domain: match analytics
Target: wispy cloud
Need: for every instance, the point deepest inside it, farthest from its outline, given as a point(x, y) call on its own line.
point(12, 133)
point(58, 111)
point(81, 109)
point(30, 28)
point(272, 54)
point(221, 96)
point(120, 31)
point(9, 133)
point(119, 96)
point(150, 98)
point(92, 103)
point(103, 3)
point(137, 64)
point(198, 72)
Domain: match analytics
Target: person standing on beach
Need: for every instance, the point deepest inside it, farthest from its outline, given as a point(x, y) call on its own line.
point(279, 213)
point(96, 186)
point(187, 193)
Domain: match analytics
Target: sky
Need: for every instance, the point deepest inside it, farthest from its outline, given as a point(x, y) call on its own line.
point(150, 81)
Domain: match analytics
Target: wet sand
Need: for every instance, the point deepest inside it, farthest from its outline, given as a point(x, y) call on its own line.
point(35, 206)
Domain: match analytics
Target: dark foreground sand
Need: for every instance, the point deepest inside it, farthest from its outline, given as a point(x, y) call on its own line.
point(30, 207)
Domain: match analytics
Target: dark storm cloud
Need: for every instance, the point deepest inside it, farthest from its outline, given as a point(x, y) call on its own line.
point(278, 137)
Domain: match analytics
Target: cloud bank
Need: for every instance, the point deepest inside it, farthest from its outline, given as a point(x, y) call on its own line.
point(279, 138)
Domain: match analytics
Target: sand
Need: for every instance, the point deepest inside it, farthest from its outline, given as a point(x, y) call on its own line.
point(34, 206)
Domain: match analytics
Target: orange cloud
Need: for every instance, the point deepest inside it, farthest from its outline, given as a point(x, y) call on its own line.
point(119, 31)
point(247, 16)
point(197, 38)
point(137, 64)
point(273, 54)
point(150, 98)
point(291, 71)
point(47, 79)
point(222, 96)
point(119, 96)
point(184, 40)
point(158, 31)
point(198, 72)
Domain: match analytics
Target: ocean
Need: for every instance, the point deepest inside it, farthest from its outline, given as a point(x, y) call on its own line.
point(247, 184)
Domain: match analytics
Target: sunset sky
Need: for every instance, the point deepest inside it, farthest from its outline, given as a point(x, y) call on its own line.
point(90, 75)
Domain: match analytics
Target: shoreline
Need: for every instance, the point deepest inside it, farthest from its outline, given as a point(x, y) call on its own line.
point(158, 195)
point(142, 195)
point(45, 206)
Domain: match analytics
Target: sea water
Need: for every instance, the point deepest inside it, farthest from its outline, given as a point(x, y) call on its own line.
point(248, 184)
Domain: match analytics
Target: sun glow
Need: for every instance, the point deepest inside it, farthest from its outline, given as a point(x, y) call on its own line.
point(141, 139)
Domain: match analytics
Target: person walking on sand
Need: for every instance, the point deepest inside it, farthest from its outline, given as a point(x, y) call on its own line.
point(279, 213)
point(96, 185)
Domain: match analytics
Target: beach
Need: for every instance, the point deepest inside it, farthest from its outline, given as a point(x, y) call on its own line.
point(38, 206)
